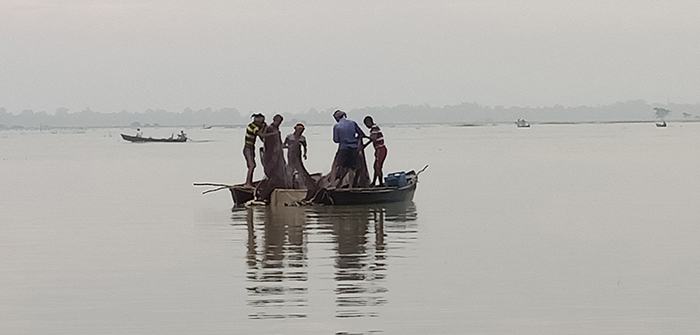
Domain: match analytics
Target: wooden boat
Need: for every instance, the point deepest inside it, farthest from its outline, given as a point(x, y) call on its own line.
point(150, 139)
point(373, 195)
point(341, 196)
point(345, 196)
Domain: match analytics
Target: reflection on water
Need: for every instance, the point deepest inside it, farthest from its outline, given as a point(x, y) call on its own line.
point(276, 263)
point(355, 239)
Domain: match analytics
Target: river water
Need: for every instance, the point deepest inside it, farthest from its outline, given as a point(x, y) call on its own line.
point(555, 229)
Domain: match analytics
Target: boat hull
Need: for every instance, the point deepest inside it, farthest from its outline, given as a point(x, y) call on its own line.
point(241, 194)
point(373, 195)
point(381, 195)
point(346, 196)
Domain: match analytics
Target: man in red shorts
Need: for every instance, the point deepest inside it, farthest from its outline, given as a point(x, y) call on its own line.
point(377, 138)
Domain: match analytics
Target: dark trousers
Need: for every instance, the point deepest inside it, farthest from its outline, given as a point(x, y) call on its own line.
point(347, 157)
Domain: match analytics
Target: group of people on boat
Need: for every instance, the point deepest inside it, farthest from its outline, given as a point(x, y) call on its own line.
point(349, 167)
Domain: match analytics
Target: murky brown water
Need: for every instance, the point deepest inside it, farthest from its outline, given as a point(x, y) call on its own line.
point(568, 229)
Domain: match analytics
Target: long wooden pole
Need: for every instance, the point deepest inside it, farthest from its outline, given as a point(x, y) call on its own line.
point(220, 187)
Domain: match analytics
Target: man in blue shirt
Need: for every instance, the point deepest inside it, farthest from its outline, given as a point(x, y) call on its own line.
point(348, 135)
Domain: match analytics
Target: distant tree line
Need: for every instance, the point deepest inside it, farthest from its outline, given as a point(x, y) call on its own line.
point(634, 110)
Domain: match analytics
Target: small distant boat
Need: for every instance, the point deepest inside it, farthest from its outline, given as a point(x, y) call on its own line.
point(521, 123)
point(130, 138)
point(662, 124)
point(204, 126)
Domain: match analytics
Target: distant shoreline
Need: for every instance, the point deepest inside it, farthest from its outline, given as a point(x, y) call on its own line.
point(387, 124)
point(635, 111)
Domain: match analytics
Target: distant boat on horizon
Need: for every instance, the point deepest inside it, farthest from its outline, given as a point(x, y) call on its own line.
point(521, 123)
point(662, 124)
point(139, 139)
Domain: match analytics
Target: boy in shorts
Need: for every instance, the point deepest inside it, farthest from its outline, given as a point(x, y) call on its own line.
point(377, 138)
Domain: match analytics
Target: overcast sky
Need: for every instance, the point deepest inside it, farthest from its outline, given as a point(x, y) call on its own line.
point(289, 56)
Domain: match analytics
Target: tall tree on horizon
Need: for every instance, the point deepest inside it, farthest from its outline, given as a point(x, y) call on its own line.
point(661, 113)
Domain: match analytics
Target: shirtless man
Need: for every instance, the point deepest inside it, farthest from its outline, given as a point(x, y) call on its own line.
point(273, 158)
point(294, 143)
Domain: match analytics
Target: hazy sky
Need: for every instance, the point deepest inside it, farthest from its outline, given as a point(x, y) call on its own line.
point(290, 56)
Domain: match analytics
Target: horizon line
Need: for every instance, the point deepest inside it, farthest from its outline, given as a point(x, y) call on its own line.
point(139, 111)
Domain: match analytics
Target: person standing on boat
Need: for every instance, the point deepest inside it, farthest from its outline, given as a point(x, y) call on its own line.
point(139, 133)
point(377, 138)
point(249, 148)
point(273, 159)
point(294, 143)
point(348, 135)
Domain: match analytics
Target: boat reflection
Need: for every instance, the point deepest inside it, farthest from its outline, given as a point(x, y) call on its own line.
point(276, 260)
point(352, 239)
